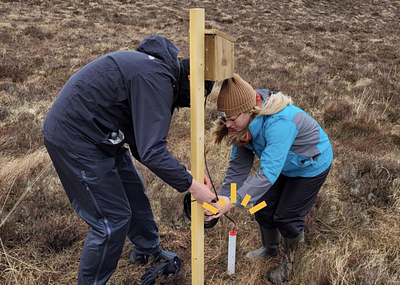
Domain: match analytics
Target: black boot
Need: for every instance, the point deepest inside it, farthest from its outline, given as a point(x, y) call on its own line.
point(143, 259)
point(270, 240)
point(281, 273)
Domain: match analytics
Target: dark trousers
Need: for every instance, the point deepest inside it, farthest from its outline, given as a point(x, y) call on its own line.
point(108, 193)
point(288, 202)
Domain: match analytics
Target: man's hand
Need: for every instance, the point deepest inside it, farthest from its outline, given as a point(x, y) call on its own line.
point(201, 192)
point(207, 181)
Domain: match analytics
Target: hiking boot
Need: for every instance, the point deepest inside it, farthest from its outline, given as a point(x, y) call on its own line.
point(143, 259)
point(270, 240)
point(281, 273)
point(164, 255)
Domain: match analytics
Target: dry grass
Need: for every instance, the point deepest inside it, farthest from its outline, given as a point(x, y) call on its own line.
point(337, 59)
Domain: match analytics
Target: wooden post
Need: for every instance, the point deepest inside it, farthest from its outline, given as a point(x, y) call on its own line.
point(196, 45)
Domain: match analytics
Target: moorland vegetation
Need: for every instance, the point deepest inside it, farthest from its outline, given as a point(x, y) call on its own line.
point(338, 60)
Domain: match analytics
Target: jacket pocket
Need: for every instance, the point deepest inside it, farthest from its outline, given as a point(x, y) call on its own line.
point(112, 143)
point(304, 161)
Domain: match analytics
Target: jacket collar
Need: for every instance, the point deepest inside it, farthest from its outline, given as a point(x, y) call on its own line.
point(256, 126)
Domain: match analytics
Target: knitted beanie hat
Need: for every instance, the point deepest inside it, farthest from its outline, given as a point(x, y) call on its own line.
point(236, 96)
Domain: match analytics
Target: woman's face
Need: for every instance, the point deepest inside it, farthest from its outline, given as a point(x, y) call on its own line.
point(238, 123)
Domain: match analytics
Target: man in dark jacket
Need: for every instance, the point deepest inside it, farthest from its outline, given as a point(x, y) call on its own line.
point(121, 97)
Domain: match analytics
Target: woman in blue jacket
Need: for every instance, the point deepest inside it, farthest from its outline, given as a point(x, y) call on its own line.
point(295, 157)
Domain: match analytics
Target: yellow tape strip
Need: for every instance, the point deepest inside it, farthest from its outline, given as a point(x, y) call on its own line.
point(210, 208)
point(257, 207)
point(233, 193)
point(246, 200)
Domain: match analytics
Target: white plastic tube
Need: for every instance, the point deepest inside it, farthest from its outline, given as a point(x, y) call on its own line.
point(231, 252)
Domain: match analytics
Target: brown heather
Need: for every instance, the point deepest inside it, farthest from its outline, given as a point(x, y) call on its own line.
point(339, 60)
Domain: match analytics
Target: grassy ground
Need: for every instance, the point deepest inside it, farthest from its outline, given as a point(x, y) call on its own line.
point(339, 60)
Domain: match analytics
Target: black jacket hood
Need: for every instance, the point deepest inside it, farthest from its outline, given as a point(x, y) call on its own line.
point(183, 99)
point(166, 51)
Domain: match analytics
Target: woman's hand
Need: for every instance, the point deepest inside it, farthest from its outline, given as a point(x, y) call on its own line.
point(221, 209)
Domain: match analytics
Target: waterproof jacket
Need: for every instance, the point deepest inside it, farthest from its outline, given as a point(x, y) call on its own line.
point(124, 97)
point(289, 142)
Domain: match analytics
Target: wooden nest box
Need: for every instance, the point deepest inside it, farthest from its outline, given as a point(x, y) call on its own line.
point(219, 55)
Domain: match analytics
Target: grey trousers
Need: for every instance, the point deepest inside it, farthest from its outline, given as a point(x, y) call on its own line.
point(109, 195)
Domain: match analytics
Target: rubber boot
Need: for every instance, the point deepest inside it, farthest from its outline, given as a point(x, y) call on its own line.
point(270, 240)
point(281, 273)
point(143, 259)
